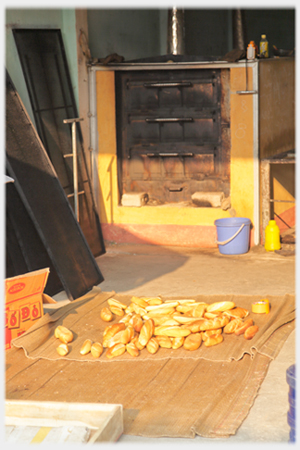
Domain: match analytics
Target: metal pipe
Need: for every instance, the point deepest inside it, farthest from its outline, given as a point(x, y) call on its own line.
point(256, 213)
point(175, 43)
point(75, 164)
point(75, 173)
point(238, 25)
point(93, 135)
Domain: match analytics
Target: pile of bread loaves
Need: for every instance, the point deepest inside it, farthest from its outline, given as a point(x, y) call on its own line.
point(150, 323)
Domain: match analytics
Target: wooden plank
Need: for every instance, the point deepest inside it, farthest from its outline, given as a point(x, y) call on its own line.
point(105, 419)
point(276, 106)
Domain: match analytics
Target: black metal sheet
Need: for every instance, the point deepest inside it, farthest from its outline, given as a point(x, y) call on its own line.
point(45, 69)
point(25, 252)
point(45, 201)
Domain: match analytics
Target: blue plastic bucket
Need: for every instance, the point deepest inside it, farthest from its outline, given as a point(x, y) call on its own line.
point(291, 415)
point(233, 235)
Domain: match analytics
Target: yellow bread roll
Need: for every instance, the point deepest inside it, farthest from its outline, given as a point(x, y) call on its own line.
point(193, 341)
point(96, 349)
point(220, 306)
point(62, 349)
point(214, 339)
point(86, 347)
point(106, 314)
point(146, 332)
point(116, 350)
point(63, 334)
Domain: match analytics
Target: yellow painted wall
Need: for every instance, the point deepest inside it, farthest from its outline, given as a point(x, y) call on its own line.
point(241, 163)
point(242, 169)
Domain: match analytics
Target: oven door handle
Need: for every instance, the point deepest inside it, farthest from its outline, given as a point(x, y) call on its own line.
point(151, 155)
point(169, 119)
point(168, 84)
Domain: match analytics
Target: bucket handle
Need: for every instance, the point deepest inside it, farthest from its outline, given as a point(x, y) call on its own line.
point(230, 239)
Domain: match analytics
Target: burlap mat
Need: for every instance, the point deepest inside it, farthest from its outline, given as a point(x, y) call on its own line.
point(207, 392)
point(83, 318)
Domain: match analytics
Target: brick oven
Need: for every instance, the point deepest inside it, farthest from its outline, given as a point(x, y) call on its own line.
point(171, 128)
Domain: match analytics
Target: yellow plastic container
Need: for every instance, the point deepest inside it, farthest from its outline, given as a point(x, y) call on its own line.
point(272, 236)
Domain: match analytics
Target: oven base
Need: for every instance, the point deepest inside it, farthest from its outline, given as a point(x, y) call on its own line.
point(195, 236)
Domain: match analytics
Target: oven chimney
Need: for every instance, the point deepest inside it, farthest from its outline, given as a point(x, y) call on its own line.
point(175, 43)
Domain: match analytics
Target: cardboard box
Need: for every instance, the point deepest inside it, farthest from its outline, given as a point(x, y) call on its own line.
point(23, 302)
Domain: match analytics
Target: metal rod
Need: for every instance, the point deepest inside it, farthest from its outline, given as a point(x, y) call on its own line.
point(246, 92)
point(72, 195)
point(75, 174)
point(169, 119)
point(75, 167)
point(168, 84)
point(282, 201)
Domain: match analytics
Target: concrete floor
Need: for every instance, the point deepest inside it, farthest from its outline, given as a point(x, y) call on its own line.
point(151, 270)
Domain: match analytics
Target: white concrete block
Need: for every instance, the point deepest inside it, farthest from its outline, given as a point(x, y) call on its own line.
point(213, 199)
point(134, 199)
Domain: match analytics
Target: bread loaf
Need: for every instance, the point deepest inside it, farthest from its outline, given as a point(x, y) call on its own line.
point(237, 312)
point(184, 308)
point(214, 324)
point(194, 326)
point(86, 347)
point(211, 315)
point(126, 318)
point(116, 350)
point(106, 314)
point(241, 330)
point(117, 311)
point(62, 349)
point(139, 301)
point(132, 349)
point(63, 334)
point(122, 337)
point(183, 301)
point(164, 341)
point(199, 310)
point(177, 342)
point(153, 300)
point(193, 341)
point(152, 346)
point(137, 322)
point(251, 332)
point(127, 334)
point(232, 326)
point(214, 339)
point(146, 332)
point(171, 331)
point(220, 306)
point(160, 311)
point(96, 349)
point(162, 306)
point(130, 308)
point(138, 309)
point(111, 330)
point(116, 303)
point(137, 343)
point(206, 334)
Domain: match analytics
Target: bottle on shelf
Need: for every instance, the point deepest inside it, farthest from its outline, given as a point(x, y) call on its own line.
point(264, 47)
point(251, 50)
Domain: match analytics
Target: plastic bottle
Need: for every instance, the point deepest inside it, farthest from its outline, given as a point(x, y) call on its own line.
point(264, 47)
point(251, 50)
point(272, 236)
